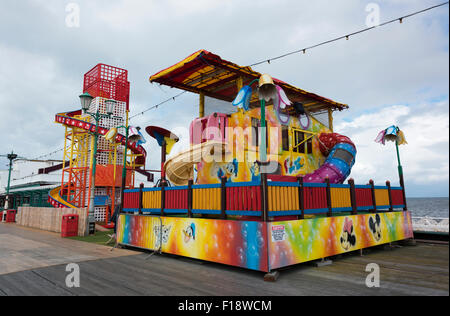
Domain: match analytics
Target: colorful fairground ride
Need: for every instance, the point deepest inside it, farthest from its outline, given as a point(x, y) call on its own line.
point(101, 151)
point(262, 184)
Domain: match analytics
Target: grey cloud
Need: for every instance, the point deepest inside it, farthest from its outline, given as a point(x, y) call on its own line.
point(401, 64)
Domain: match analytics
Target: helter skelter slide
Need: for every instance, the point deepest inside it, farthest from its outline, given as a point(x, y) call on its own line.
point(103, 83)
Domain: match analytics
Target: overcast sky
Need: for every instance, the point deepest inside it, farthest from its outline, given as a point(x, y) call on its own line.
point(397, 74)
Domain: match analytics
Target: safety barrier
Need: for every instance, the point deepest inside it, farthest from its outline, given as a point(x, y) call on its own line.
point(363, 197)
point(397, 197)
point(340, 198)
point(176, 200)
point(206, 199)
point(132, 200)
point(283, 198)
point(243, 198)
point(265, 199)
point(315, 198)
point(151, 200)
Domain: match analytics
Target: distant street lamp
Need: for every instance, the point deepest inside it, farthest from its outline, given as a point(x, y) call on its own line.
point(86, 100)
point(11, 157)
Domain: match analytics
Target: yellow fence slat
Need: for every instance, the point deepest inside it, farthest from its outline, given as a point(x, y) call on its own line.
point(275, 199)
point(283, 198)
point(206, 199)
point(340, 197)
point(151, 199)
point(295, 199)
point(382, 197)
point(195, 199)
point(218, 199)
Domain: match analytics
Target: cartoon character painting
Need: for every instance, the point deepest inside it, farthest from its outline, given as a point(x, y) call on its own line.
point(229, 170)
point(293, 167)
point(189, 233)
point(348, 237)
point(375, 226)
point(161, 233)
point(254, 169)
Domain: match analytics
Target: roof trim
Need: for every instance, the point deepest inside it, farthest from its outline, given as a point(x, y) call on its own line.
point(206, 73)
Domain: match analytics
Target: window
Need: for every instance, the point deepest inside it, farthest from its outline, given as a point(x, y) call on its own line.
point(285, 138)
point(309, 146)
point(300, 145)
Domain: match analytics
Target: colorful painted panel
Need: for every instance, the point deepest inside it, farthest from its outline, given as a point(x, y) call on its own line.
point(240, 162)
point(297, 241)
point(236, 243)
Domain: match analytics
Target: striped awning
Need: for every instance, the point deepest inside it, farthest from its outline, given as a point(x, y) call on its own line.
point(208, 74)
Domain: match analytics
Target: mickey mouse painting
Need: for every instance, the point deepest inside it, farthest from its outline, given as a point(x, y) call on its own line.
point(348, 237)
point(375, 226)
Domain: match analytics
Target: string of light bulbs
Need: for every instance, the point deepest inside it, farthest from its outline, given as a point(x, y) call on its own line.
point(347, 36)
point(44, 155)
point(157, 105)
point(302, 50)
point(49, 154)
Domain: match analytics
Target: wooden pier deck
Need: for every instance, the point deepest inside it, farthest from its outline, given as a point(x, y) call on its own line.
point(404, 270)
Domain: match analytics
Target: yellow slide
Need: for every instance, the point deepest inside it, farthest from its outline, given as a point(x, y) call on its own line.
point(180, 168)
point(56, 200)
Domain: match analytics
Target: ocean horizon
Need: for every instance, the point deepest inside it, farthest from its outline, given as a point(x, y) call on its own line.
point(428, 206)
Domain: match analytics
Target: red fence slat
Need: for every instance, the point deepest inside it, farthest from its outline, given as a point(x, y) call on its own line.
point(397, 197)
point(315, 198)
point(363, 197)
point(244, 198)
point(177, 199)
point(131, 200)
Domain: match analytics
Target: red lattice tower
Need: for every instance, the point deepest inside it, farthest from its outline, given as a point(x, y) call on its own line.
point(108, 82)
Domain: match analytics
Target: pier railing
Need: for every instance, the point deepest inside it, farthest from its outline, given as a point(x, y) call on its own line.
point(265, 199)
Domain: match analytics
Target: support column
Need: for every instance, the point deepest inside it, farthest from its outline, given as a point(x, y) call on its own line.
point(239, 83)
point(190, 183)
point(223, 197)
point(301, 197)
point(141, 187)
point(330, 119)
point(329, 205)
point(201, 108)
point(372, 190)
point(391, 207)
point(264, 198)
point(400, 175)
point(163, 200)
point(351, 182)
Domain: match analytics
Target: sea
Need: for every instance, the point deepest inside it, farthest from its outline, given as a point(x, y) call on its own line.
point(431, 207)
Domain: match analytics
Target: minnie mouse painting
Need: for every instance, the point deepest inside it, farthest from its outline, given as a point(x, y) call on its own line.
point(348, 237)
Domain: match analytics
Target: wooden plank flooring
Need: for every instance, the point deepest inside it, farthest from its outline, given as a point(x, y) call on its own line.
point(23, 248)
point(407, 270)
